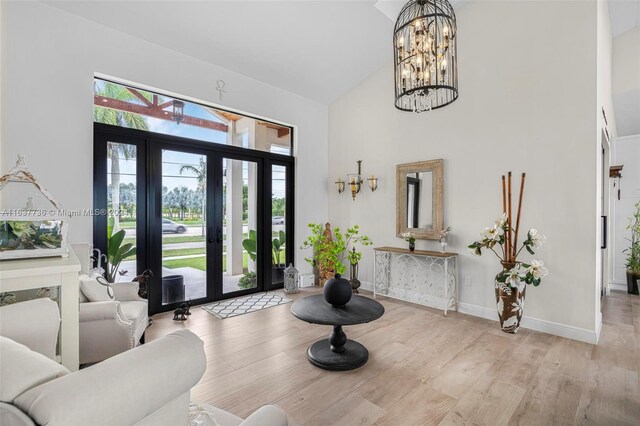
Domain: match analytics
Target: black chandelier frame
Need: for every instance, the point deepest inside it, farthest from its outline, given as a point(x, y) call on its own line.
point(433, 12)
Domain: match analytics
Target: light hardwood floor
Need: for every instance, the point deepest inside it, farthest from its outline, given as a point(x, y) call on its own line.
point(423, 369)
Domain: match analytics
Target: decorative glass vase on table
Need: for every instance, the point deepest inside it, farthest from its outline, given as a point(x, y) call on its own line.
point(511, 282)
point(444, 234)
point(408, 237)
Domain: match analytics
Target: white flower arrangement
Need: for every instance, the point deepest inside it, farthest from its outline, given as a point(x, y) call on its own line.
point(494, 237)
point(408, 236)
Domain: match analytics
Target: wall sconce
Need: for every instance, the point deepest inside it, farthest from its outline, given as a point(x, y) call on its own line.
point(355, 181)
point(373, 182)
point(178, 111)
point(615, 172)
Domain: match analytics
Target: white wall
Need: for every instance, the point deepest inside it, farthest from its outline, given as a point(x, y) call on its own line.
point(604, 102)
point(626, 82)
point(626, 150)
point(50, 58)
point(626, 61)
point(523, 106)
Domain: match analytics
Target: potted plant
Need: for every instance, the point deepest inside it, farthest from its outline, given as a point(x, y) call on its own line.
point(633, 252)
point(408, 237)
point(250, 245)
point(329, 252)
point(116, 253)
point(277, 247)
point(511, 282)
point(248, 280)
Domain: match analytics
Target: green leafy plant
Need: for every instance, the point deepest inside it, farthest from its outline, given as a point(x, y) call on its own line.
point(330, 254)
point(116, 253)
point(633, 251)
point(248, 280)
point(250, 244)
point(277, 247)
point(29, 235)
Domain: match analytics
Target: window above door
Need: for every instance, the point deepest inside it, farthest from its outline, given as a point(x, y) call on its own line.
point(126, 106)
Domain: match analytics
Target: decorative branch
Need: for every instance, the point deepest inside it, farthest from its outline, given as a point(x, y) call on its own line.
point(515, 239)
point(509, 238)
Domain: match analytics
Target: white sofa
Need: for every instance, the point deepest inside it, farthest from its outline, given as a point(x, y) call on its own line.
point(146, 386)
point(149, 385)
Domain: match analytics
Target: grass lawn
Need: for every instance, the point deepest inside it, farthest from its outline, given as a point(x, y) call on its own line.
point(183, 252)
point(198, 262)
point(173, 239)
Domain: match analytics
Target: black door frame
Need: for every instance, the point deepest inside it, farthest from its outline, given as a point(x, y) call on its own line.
point(149, 147)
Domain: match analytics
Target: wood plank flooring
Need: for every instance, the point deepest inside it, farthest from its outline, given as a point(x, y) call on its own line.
point(424, 369)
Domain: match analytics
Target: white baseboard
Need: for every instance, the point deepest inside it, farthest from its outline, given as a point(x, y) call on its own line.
point(562, 330)
point(618, 286)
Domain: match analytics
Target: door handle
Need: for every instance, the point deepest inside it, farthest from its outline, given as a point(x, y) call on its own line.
point(219, 235)
point(210, 235)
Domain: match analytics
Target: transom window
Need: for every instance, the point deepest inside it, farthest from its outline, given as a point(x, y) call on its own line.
point(125, 106)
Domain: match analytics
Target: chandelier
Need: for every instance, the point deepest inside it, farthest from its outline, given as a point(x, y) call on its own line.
point(424, 41)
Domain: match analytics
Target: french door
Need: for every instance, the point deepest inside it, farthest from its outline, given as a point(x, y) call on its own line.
point(211, 222)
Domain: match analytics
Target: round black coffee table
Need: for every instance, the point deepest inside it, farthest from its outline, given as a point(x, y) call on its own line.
point(337, 353)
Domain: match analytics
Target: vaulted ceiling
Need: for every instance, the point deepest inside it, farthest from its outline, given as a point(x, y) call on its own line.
point(317, 49)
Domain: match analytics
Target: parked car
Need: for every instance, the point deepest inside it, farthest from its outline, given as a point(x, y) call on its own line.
point(277, 220)
point(171, 226)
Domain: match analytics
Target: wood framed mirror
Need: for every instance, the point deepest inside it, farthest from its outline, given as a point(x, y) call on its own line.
point(419, 199)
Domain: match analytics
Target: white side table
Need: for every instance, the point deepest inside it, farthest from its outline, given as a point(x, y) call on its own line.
point(28, 274)
point(428, 278)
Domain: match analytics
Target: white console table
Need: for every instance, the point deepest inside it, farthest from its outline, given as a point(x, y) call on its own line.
point(60, 272)
point(425, 277)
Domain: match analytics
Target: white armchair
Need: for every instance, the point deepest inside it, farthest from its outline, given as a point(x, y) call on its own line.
point(110, 327)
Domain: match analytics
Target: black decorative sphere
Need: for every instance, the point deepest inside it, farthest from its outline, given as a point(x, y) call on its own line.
point(337, 291)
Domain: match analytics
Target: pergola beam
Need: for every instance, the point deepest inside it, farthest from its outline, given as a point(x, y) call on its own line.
point(156, 112)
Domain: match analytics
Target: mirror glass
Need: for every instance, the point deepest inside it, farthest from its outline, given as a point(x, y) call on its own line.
point(419, 199)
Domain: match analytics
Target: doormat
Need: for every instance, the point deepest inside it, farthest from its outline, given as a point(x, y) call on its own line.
point(244, 305)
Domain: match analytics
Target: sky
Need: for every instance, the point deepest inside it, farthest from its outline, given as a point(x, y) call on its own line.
point(172, 160)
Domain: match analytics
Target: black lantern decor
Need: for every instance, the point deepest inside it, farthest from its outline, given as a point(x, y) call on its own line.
point(178, 111)
point(426, 69)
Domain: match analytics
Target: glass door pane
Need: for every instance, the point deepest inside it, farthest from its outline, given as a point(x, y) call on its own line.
point(183, 213)
point(239, 225)
point(122, 203)
point(278, 222)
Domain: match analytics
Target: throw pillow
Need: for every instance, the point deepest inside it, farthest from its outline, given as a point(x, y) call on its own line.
point(96, 289)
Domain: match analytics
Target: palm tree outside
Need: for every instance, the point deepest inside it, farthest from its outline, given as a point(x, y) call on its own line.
point(201, 175)
point(117, 151)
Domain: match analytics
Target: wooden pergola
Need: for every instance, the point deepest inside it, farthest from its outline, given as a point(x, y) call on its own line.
point(153, 108)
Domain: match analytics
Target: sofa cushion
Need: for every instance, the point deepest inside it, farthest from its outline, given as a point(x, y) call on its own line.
point(94, 290)
point(22, 369)
point(134, 311)
point(33, 323)
point(10, 415)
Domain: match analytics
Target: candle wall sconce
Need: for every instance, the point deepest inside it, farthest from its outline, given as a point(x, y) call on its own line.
point(355, 181)
point(615, 172)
